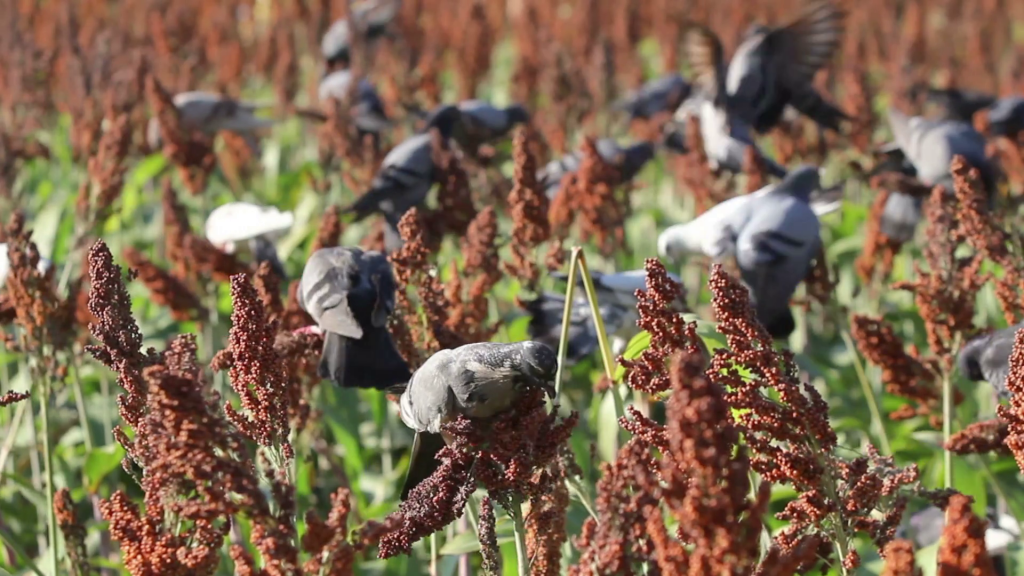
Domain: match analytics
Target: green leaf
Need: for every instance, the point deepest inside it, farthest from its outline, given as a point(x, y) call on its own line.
point(634, 349)
point(467, 542)
point(607, 426)
point(928, 560)
point(101, 462)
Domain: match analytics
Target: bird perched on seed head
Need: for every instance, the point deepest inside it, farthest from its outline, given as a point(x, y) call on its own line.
point(371, 17)
point(259, 226)
point(5, 264)
point(209, 113)
point(771, 68)
point(629, 161)
point(986, 358)
point(367, 110)
point(484, 123)
point(351, 294)
point(774, 236)
point(404, 178)
point(929, 146)
point(478, 381)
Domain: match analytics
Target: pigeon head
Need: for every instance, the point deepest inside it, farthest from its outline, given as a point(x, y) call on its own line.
point(673, 140)
point(445, 118)
point(539, 361)
point(801, 182)
point(967, 360)
point(517, 114)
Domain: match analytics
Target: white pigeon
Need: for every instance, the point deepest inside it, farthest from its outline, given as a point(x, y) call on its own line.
point(257, 225)
point(5, 264)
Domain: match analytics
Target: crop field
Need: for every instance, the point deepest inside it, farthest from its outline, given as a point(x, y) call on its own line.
point(201, 375)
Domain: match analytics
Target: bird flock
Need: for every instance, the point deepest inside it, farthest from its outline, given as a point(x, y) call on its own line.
point(772, 235)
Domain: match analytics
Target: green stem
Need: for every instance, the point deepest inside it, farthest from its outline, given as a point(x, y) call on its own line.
point(433, 554)
point(869, 393)
point(947, 420)
point(519, 530)
point(51, 517)
point(83, 418)
point(13, 544)
point(12, 435)
point(563, 341)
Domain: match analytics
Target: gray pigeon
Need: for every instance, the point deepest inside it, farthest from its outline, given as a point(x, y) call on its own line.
point(484, 123)
point(350, 294)
point(404, 178)
point(986, 358)
point(373, 17)
point(629, 161)
point(726, 138)
point(775, 246)
point(662, 94)
point(367, 109)
point(616, 297)
point(771, 68)
point(545, 325)
point(1006, 117)
point(954, 104)
point(478, 381)
point(929, 146)
point(209, 113)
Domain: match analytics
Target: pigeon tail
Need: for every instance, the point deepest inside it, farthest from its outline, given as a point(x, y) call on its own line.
point(422, 460)
point(374, 362)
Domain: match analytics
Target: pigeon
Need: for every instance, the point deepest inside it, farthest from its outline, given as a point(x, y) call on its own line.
point(726, 138)
point(954, 104)
point(662, 94)
point(925, 529)
point(545, 325)
point(616, 297)
point(929, 146)
point(629, 161)
point(1006, 117)
point(709, 234)
point(5, 264)
point(209, 113)
point(260, 226)
point(373, 16)
point(367, 108)
point(484, 123)
point(986, 358)
point(478, 381)
point(350, 293)
point(774, 234)
point(771, 68)
point(404, 178)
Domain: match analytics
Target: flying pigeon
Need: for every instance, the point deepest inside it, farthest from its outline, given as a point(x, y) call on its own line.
point(235, 222)
point(629, 161)
point(478, 381)
point(986, 358)
point(404, 178)
point(726, 138)
point(367, 109)
point(350, 294)
point(929, 146)
point(662, 94)
point(771, 68)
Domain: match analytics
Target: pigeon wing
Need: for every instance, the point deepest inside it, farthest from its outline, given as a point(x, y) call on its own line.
point(703, 52)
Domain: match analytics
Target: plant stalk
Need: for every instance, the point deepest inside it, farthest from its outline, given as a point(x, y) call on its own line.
point(51, 516)
point(519, 530)
point(869, 393)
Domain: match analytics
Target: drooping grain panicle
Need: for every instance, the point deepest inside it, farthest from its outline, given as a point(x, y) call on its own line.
point(528, 209)
point(981, 438)
point(164, 289)
point(1013, 414)
point(962, 547)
